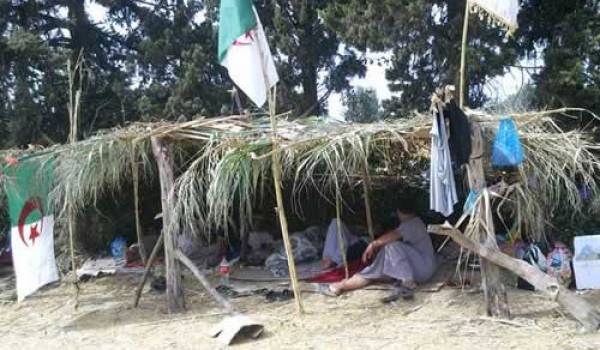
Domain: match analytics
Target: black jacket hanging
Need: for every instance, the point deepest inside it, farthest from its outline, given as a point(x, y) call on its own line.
point(460, 134)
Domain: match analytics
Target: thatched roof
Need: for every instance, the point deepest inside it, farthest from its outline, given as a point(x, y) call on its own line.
point(225, 162)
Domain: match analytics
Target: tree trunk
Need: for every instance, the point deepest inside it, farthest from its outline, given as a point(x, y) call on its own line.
point(578, 307)
point(163, 154)
point(493, 289)
point(310, 97)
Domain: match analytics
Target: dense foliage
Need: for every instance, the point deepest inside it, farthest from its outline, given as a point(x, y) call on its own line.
point(150, 59)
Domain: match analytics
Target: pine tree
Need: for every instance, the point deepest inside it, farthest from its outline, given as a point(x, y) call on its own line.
point(362, 106)
point(567, 35)
point(424, 39)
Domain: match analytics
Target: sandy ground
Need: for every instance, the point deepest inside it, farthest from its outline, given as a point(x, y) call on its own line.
point(448, 319)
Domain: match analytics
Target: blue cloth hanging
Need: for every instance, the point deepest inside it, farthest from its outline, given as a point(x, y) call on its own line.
point(507, 150)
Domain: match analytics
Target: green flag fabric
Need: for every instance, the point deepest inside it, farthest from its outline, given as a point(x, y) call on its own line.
point(28, 182)
point(244, 51)
point(236, 17)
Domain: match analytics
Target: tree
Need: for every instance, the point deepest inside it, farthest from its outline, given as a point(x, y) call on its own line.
point(567, 35)
point(172, 57)
point(424, 38)
point(37, 39)
point(310, 57)
point(362, 106)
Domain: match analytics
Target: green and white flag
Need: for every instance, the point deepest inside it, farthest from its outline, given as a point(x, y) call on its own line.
point(244, 51)
point(27, 185)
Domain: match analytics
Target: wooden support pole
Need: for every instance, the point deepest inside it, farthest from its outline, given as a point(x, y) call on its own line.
point(276, 169)
point(367, 198)
point(493, 289)
point(202, 279)
point(244, 237)
point(579, 308)
point(338, 220)
point(136, 203)
point(463, 57)
point(163, 154)
point(71, 223)
point(75, 79)
point(148, 268)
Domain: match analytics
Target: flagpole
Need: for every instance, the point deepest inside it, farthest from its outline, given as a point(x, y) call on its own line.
point(463, 57)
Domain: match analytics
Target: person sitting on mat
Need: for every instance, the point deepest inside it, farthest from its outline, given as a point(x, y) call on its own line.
point(332, 257)
point(404, 255)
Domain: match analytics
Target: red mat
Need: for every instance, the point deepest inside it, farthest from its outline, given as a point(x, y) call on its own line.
point(339, 273)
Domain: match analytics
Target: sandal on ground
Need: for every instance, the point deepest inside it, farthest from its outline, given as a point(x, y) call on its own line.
point(283, 295)
point(326, 290)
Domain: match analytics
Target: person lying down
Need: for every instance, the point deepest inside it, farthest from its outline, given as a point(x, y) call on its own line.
point(403, 256)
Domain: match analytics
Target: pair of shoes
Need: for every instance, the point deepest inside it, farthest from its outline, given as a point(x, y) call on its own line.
point(283, 295)
point(159, 284)
point(399, 291)
point(227, 291)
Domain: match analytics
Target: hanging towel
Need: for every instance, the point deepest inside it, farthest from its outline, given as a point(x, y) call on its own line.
point(442, 193)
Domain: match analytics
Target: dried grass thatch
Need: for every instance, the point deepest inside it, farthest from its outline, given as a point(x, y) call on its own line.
point(226, 164)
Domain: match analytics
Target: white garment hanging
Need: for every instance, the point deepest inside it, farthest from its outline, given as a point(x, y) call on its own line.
point(442, 191)
point(503, 11)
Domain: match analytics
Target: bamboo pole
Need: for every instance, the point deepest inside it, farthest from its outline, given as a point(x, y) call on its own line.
point(367, 198)
point(463, 56)
point(71, 224)
point(136, 202)
point(338, 220)
point(276, 169)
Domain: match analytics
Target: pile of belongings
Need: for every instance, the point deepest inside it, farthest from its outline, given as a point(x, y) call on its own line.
point(307, 246)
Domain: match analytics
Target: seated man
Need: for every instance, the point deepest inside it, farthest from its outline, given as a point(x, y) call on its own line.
point(332, 256)
point(404, 255)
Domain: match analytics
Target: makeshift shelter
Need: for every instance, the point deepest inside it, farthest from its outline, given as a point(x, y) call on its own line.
point(227, 163)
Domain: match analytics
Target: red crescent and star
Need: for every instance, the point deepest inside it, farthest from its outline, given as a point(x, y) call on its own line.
point(31, 205)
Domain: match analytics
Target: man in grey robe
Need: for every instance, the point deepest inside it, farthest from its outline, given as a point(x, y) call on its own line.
point(404, 255)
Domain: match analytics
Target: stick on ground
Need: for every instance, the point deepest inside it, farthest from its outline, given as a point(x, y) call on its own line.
point(153, 255)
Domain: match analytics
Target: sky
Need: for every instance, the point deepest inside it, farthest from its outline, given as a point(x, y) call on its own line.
point(498, 87)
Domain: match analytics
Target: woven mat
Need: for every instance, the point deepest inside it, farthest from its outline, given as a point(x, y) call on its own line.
point(260, 274)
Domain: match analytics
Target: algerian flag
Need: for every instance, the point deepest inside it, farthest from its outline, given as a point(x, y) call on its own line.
point(244, 51)
point(27, 185)
point(503, 12)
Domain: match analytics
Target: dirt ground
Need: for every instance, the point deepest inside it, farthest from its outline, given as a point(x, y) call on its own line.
point(448, 319)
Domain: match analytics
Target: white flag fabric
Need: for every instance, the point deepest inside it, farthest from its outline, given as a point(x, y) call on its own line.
point(27, 184)
point(250, 63)
point(33, 259)
point(503, 12)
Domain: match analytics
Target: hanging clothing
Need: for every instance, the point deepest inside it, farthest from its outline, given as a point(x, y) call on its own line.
point(442, 188)
point(459, 139)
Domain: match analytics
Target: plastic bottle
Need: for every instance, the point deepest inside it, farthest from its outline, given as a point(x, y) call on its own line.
point(224, 270)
